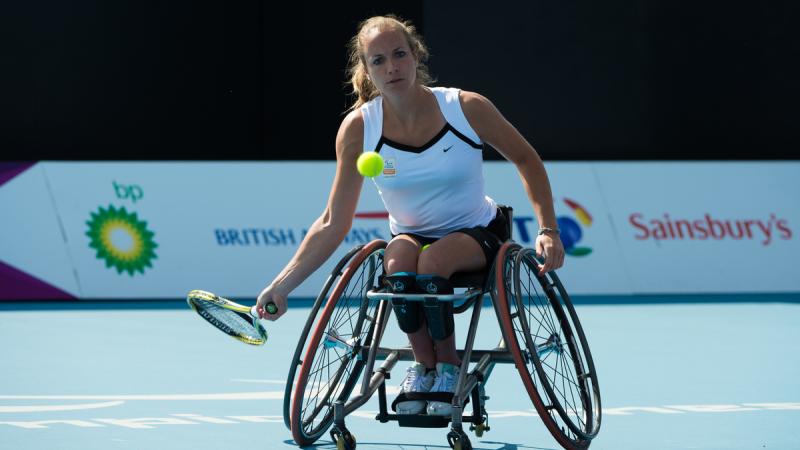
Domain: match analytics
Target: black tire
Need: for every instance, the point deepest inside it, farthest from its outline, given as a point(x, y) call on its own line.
point(330, 369)
point(549, 347)
point(332, 279)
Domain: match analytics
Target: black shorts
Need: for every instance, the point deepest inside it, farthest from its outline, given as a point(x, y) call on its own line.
point(490, 237)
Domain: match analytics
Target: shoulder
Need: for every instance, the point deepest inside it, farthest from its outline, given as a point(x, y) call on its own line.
point(351, 133)
point(353, 122)
point(481, 114)
point(475, 105)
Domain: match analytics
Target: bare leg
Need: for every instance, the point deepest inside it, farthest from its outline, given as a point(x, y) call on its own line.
point(422, 346)
point(446, 351)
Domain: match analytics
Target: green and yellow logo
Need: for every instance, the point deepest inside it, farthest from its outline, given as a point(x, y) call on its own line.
point(121, 239)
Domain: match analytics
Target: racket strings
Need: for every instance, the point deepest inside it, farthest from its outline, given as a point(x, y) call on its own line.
point(230, 319)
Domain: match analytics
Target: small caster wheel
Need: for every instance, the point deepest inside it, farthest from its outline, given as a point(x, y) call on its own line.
point(458, 440)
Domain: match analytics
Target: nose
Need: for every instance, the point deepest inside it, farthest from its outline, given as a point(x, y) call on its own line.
point(391, 67)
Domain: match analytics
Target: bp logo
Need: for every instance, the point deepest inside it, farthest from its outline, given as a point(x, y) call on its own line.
point(121, 239)
point(571, 231)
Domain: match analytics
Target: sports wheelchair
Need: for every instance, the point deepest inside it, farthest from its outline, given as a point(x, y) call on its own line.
point(541, 337)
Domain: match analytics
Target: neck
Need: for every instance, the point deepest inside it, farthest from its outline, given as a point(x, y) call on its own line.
point(408, 107)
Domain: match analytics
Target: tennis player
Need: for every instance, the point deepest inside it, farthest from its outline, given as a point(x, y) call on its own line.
point(432, 185)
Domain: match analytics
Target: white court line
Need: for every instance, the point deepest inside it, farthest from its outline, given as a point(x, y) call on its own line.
point(250, 380)
point(265, 395)
point(42, 408)
point(184, 418)
point(389, 389)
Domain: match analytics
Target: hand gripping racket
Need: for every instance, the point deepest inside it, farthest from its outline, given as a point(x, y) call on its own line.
point(238, 321)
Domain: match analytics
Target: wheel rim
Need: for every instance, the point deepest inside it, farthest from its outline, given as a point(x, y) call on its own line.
point(330, 283)
point(555, 349)
point(331, 368)
point(506, 307)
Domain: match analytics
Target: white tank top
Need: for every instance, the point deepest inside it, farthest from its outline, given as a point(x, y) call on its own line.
point(437, 188)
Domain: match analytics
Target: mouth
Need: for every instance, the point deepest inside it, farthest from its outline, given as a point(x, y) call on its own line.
point(395, 80)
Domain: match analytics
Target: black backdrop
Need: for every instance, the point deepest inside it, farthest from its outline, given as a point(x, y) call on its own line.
point(213, 79)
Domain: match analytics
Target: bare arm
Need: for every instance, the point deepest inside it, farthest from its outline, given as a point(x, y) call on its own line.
point(328, 231)
point(494, 129)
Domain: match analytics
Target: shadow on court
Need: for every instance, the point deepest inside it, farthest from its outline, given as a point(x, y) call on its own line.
point(389, 446)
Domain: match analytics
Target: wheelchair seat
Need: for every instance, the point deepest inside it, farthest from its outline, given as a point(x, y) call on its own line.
point(470, 280)
point(477, 279)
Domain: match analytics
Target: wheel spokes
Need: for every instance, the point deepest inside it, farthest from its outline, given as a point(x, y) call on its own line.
point(334, 367)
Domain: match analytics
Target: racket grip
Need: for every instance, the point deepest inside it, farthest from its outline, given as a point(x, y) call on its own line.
point(271, 308)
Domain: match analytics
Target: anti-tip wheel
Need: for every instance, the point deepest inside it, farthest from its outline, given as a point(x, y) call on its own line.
point(345, 441)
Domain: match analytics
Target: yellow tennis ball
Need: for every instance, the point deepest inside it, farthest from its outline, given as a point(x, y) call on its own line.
point(370, 164)
point(424, 247)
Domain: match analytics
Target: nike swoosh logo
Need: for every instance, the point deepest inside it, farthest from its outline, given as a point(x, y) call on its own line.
point(448, 148)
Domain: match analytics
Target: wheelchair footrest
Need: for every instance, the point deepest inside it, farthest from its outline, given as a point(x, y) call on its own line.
point(422, 421)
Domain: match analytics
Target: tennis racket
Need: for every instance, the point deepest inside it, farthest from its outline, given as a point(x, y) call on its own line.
point(238, 321)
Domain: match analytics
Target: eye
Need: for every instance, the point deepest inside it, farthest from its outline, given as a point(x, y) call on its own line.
point(400, 53)
point(377, 60)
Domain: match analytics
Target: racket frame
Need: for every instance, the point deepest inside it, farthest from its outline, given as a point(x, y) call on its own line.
point(245, 312)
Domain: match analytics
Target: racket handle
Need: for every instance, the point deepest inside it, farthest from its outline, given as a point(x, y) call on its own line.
point(271, 308)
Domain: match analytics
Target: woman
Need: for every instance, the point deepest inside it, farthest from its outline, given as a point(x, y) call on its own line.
point(432, 186)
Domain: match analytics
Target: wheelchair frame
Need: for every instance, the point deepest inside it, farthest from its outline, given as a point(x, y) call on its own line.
point(363, 350)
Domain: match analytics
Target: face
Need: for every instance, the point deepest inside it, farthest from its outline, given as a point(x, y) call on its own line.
point(390, 63)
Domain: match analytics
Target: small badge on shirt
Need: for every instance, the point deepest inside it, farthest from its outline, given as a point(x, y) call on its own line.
point(389, 167)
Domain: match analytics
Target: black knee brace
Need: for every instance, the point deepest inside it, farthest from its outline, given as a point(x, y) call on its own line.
point(439, 315)
point(409, 314)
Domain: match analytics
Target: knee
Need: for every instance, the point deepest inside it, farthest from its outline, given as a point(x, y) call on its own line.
point(431, 263)
point(395, 265)
point(400, 256)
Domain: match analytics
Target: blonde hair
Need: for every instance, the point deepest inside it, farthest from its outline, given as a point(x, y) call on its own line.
point(363, 89)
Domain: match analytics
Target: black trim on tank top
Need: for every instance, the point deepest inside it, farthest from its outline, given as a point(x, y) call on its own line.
point(410, 148)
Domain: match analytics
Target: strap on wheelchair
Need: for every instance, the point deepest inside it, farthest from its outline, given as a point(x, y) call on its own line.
point(409, 314)
point(445, 397)
point(439, 315)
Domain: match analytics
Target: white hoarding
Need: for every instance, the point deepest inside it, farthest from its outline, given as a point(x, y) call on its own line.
point(593, 259)
point(140, 230)
point(706, 227)
point(157, 230)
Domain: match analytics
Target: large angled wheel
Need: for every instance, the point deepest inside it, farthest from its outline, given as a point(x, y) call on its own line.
point(313, 318)
point(550, 350)
point(331, 367)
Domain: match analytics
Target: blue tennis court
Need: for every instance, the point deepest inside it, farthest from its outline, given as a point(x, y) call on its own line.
point(695, 374)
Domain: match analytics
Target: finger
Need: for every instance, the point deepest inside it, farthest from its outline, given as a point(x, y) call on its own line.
point(546, 267)
point(548, 263)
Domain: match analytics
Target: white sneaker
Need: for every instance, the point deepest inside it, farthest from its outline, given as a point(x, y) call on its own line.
point(446, 379)
point(417, 380)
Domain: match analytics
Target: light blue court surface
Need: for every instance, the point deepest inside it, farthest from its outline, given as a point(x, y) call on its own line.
point(672, 376)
